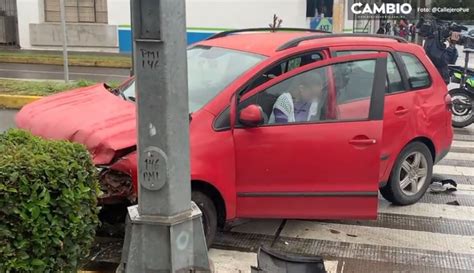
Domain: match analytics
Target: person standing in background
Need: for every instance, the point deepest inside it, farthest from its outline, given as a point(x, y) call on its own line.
point(388, 28)
point(412, 32)
point(403, 28)
point(381, 29)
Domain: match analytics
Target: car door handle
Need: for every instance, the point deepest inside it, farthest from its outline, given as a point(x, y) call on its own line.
point(368, 141)
point(401, 111)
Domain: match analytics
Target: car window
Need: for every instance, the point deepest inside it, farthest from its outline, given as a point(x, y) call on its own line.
point(308, 97)
point(284, 67)
point(358, 76)
point(394, 82)
point(394, 79)
point(418, 77)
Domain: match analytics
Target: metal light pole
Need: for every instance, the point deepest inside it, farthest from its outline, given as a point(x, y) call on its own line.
point(63, 28)
point(164, 231)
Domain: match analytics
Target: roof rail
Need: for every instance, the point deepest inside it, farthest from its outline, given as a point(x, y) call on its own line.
point(295, 42)
point(228, 32)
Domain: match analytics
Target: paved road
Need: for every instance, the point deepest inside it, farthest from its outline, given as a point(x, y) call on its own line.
point(55, 72)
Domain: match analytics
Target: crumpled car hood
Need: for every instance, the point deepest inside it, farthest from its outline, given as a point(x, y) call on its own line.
point(93, 116)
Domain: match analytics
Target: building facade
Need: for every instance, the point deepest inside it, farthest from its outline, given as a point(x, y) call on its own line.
point(104, 25)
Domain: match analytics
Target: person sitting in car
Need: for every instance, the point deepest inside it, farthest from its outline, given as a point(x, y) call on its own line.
point(302, 102)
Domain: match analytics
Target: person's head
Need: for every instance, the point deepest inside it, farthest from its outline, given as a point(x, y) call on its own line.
point(403, 22)
point(308, 87)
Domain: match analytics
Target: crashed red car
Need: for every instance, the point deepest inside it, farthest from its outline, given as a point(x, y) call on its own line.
point(284, 125)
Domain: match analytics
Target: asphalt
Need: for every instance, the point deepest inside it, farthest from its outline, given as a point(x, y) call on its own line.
point(56, 72)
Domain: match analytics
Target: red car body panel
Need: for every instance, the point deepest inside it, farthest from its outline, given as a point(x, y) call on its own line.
point(91, 115)
point(245, 165)
point(426, 115)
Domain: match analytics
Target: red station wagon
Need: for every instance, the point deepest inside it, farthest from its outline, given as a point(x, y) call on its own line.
point(286, 124)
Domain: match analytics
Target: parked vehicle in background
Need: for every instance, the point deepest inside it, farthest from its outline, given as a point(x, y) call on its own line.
point(285, 124)
point(462, 96)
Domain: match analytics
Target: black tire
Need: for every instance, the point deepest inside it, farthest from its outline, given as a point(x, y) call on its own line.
point(209, 215)
point(456, 122)
point(392, 191)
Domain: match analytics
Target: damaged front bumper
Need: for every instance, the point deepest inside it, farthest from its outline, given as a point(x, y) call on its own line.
point(116, 187)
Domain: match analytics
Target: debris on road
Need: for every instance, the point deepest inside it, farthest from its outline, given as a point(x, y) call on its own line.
point(454, 203)
point(275, 262)
point(443, 186)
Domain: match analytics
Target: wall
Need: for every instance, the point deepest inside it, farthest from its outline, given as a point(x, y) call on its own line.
point(29, 11)
point(226, 13)
point(80, 35)
point(204, 17)
point(245, 13)
point(118, 12)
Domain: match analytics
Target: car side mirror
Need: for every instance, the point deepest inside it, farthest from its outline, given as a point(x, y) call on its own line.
point(251, 116)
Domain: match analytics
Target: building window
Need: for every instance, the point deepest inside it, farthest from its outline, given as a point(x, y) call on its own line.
point(77, 11)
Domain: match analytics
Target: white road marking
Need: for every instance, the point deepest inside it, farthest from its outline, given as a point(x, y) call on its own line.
point(231, 261)
point(465, 187)
point(460, 156)
point(459, 192)
point(379, 236)
point(429, 210)
point(463, 144)
point(453, 170)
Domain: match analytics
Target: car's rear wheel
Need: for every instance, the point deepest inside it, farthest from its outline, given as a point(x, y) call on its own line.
point(209, 215)
point(410, 176)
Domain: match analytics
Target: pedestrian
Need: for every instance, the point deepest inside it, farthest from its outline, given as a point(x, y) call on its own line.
point(403, 28)
point(395, 29)
point(388, 28)
point(413, 32)
point(381, 29)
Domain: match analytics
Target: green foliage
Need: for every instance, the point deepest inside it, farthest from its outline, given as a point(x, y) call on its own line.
point(38, 88)
point(48, 203)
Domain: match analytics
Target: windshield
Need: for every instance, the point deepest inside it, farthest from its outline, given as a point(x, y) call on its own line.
point(210, 70)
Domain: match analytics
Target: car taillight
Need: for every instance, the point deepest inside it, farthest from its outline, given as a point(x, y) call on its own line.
point(448, 101)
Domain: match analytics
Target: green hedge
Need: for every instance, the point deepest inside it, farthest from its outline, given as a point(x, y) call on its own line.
point(48, 204)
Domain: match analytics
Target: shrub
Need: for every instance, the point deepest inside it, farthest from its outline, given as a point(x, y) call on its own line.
point(48, 203)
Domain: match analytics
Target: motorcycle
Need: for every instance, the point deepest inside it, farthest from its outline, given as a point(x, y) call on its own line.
point(462, 97)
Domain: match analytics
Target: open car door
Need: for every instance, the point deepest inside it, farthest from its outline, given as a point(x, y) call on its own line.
point(321, 166)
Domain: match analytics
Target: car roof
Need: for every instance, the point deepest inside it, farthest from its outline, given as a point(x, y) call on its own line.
point(267, 43)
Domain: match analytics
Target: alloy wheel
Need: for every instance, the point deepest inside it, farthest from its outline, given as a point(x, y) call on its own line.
point(413, 173)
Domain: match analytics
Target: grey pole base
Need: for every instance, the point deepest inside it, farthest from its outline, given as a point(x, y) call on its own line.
point(153, 234)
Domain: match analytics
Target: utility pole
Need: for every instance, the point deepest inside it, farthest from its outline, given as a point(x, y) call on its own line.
point(164, 231)
point(64, 31)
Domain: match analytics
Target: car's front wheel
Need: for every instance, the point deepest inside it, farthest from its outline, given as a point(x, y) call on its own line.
point(209, 215)
point(410, 176)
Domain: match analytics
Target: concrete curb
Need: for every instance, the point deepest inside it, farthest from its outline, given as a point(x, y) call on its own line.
point(16, 101)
